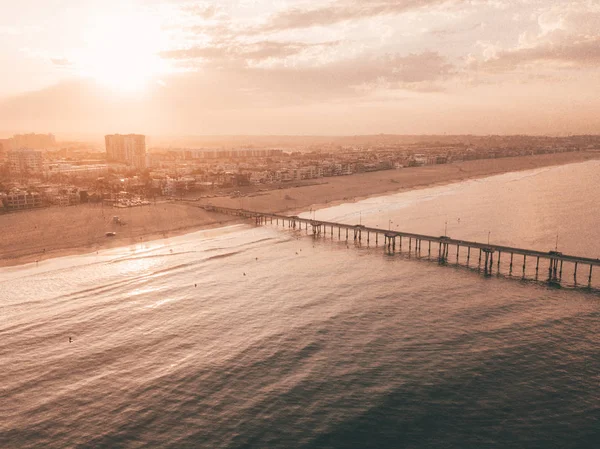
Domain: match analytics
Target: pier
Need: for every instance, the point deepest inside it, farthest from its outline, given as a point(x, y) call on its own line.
point(551, 266)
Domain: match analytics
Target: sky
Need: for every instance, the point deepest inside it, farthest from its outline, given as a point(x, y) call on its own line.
point(295, 67)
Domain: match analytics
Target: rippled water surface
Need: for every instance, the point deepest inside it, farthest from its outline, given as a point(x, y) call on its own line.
point(247, 337)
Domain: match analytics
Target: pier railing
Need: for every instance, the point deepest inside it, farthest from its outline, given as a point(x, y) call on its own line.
point(445, 249)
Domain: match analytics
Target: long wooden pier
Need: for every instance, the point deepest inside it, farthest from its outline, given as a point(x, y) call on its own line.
point(491, 259)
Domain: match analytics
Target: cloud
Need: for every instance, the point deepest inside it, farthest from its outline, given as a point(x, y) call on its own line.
point(201, 9)
point(448, 32)
point(9, 30)
point(179, 99)
point(579, 53)
point(61, 62)
point(343, 10)
point(256, 51)
point(19, 30)
point(567, 35)
point(334, 81)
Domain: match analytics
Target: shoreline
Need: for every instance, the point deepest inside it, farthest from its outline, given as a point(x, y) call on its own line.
point(42, 234)
point(398, 181)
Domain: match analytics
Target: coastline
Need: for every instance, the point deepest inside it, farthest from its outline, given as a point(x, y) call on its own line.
point(37, 235)
point(346, 189)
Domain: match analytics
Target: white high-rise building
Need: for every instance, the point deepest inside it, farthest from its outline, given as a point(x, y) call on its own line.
point(129, 149)
point(25, 161)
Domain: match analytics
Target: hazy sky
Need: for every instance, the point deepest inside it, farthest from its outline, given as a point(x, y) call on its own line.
point(300, 67)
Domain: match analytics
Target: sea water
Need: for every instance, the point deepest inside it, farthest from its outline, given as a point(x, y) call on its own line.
point(265, 337)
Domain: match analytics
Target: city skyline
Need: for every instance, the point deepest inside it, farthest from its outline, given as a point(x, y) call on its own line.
point(162, 67)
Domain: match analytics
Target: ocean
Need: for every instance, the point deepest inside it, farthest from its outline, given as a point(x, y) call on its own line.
point(265, 337)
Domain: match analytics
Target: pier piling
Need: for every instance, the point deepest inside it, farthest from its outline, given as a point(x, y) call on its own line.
point(555, 259)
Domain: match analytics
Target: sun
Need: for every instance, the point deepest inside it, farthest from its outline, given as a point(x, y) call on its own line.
point(121, 50)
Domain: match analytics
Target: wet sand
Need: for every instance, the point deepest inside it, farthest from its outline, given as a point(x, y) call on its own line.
point(39, 234)
point(44, 233)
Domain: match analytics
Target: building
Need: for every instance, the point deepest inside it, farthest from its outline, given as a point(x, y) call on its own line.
point(129, 149)
point(243, 153)
point(60, 195)
point(20, 199)
point(6, 145)
point(87, 170)
point(34, 141)
point(25, 161)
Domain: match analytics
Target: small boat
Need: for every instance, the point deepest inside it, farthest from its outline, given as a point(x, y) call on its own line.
point(111, 234)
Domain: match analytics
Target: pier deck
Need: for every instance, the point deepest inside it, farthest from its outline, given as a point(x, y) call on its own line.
point(553, 261)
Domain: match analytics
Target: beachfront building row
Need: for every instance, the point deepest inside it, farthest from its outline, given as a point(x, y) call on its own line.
point(231, 153)
point(67, 168)
point(21, 199)
point(43, 195)
point(129, 149)
point(312, 172)
point(172, 186)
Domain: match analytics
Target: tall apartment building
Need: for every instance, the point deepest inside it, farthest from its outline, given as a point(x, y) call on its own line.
point(129, 149)
point(25, 161)
point(34, 141)
point(6, 145)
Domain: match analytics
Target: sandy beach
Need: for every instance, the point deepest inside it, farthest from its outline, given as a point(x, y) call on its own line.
point(44, 233)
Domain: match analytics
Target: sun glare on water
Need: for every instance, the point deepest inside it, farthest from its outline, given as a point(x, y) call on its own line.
point(121, 51)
